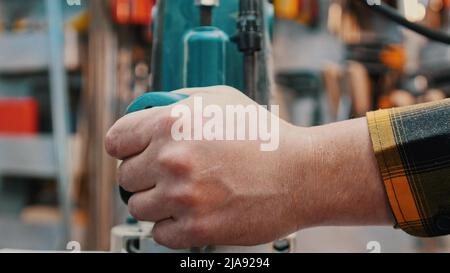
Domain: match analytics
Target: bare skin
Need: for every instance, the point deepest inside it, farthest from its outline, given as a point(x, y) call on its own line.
point(231, 193)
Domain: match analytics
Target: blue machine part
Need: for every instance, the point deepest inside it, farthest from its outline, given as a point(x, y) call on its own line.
point(154, 99)
point(205, 55)
point(178, 18)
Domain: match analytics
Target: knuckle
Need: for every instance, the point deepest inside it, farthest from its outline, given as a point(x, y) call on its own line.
point(176, 160)
point(123, 178)
point(141, 131)
point(165, 123)
point(198, 231)
point(161, 237)
point(134, 209)
point(185, 198)
point(158, 235)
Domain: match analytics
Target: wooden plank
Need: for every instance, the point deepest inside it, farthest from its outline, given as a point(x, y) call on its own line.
point(101, 111)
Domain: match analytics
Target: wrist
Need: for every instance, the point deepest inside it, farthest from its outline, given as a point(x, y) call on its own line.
point(300, 157)
point(347, 188)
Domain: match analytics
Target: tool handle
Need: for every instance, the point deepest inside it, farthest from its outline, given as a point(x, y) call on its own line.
point(146, 101)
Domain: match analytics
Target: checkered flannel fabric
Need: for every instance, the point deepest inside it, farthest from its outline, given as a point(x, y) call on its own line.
point(412, 147)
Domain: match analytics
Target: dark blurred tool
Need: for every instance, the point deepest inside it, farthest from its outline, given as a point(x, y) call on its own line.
point(249, 41)
point(393, 15)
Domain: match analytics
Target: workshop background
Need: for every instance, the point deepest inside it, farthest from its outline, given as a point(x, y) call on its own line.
point(68, 69)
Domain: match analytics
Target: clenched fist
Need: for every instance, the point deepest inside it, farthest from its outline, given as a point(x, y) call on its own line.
point(220, 187)
point(209, 191)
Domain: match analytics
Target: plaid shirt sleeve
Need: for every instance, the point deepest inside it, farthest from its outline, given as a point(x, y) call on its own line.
point(412, 148)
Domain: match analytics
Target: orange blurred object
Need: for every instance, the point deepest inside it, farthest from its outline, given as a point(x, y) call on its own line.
point(120, 11)
point(446, 4)
point(135, 12)
point(303, 11)
point(394, 57)
point(18, 116)
point(287, 9)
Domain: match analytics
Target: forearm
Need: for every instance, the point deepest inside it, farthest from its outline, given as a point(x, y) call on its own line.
point(347, 185)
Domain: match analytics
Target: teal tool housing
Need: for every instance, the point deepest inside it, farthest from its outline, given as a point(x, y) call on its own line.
point(205, 56)
point(186, 54)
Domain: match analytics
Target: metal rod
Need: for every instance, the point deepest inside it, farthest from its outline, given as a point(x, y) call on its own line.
point(206, 15)
point(60, 110)
point(249, 41)
point(250, 75)
point(264, 64)
point(206, 7)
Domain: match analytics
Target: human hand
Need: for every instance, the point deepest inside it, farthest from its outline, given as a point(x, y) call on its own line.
point(211, 192)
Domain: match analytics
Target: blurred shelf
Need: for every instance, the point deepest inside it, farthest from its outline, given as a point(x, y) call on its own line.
point(26, 53)
point(34, 156)
point(18, 235)
point(42, 156)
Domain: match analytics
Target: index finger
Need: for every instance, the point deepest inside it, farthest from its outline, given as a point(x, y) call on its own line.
point(132, 134)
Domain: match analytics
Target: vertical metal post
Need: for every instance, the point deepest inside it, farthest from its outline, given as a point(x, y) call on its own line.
point(60, 110)
point(102, 87)
point(265, 67)
point(250, 75)
point(250, 41)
